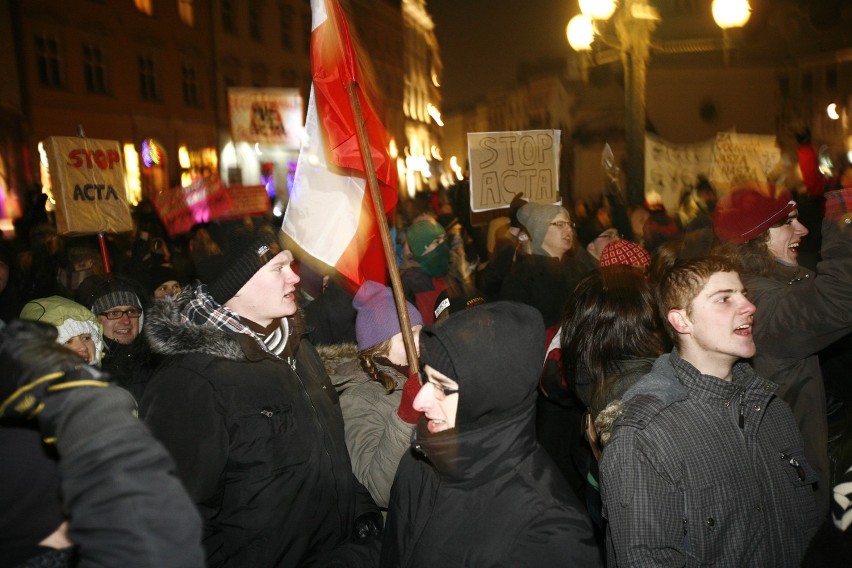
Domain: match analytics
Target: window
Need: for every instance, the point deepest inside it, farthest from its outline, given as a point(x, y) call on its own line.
point(48, 61)
point(189, 77)
point(147, 78)
point(94, 69)
point(145, 6)
point(285, 22)
point(255, 21)
point(186, 11)
point(228, 24)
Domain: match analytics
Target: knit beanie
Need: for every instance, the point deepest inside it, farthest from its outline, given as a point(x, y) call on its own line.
point(115, 291)
point(161, 274)
point(421, 234)
point(377, 319)
point(225, 274)
point(536, 218)
point(746, 212)
point(625, 252)
point(70, 318)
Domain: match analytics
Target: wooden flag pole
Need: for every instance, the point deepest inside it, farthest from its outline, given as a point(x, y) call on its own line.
point(101, 239)
point(381, 220)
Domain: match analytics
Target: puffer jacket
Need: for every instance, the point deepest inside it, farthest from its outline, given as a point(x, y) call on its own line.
point(258, 442)
point(700, 471)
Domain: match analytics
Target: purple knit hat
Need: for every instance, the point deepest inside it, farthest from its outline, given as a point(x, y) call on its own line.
point(377, 320)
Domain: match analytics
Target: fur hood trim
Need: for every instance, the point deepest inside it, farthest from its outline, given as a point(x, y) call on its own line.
point(168, 332)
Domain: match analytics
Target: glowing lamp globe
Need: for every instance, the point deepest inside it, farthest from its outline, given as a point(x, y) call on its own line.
point(731, 13)
point(580, 32)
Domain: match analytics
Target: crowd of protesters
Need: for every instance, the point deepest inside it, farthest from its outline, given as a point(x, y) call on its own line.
point(599, 385)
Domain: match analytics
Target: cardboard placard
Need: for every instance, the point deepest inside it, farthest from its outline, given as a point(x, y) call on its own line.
point(503, 164)
point(88, 184)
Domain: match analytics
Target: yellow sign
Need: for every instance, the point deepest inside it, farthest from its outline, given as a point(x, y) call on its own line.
point(88, 185)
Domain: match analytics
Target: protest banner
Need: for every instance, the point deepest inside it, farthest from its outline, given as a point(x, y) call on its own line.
point(246, 201)
point(503, 164)
point(672, 169)
point(267, 116)
point(87, 176)
point(179, 208)
point(726, 160)
point(741, 158)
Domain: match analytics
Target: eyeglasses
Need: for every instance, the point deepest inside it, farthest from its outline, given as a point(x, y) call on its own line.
point(440, 391)
point(116, 314)
point(610, 234)
point(562, 224)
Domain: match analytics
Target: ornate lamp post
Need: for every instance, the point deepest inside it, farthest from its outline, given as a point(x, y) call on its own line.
point(634, 24)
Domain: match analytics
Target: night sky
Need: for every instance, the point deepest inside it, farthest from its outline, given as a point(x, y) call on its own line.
point(482, 41)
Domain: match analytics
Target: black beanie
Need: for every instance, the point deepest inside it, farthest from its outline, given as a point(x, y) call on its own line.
point(434, 354)
point(227, 273)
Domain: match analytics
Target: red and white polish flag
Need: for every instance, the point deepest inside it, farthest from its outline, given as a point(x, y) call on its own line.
point(330, 213)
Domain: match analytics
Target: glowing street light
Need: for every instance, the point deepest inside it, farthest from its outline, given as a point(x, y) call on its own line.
point(580, 32)
point(634, 22)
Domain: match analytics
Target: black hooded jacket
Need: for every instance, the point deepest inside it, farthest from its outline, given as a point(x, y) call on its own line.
point(486, 494)
point(258, 442)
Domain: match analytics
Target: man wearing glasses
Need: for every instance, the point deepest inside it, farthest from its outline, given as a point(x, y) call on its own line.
point(116, 302)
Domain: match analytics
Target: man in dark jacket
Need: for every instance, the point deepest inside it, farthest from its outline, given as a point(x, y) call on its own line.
point(705, 464)
point(485, 494)
point(117, 302)
point(250, 415)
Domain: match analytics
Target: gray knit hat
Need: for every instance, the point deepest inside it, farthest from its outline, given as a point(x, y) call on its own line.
point(226, 273)
point(115, 291)
point(536, 218)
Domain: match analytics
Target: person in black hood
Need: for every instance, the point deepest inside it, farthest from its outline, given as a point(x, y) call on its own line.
point(482, 492)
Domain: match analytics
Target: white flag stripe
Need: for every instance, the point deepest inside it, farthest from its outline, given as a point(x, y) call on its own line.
point(319, 194)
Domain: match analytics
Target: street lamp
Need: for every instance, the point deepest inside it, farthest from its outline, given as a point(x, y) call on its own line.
point(634, 23)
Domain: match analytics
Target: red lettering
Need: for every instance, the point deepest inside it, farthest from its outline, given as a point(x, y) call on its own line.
point(103, 159)
point(74, 156)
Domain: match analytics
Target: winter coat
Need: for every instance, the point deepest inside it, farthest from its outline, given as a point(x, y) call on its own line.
point(486, 494)
point(376, 436)
point(701, 471)
point(545, 282)
point(798, 314)
point(258, 441)
point(129, 365)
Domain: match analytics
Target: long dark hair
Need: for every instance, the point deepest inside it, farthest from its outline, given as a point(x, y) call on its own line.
point(610, 317)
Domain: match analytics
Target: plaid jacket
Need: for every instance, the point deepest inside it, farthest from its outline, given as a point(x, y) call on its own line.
point(700, 471)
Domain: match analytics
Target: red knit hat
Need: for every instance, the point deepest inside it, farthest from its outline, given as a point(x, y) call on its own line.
point(748, 211)
point(627, 253)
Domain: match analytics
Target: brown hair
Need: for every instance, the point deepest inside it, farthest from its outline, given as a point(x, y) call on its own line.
point(682, 283)
point(368, 364)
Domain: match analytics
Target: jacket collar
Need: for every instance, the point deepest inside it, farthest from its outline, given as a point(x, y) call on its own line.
point(472, 458)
